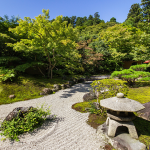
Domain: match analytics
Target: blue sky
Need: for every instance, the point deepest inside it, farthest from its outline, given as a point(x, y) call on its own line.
point(80, 8)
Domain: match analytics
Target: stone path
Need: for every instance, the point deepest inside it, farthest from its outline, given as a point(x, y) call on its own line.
point(69, 131)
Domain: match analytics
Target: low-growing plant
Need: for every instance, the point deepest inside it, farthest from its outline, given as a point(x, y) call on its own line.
point(102, 111)
point(6, 74)
point(32, 120)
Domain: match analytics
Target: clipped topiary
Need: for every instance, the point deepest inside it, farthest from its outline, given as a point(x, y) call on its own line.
point(131, 76)
point(141, 67)
point(109, 87)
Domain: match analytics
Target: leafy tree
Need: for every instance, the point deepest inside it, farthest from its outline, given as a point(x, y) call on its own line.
point(79, 21)
point(135, 14)
point(50, 39)
point(96, 19)
point(113, 19)
point(146, 10)
point(73, 20)
point(66, 19)
point(123, 41)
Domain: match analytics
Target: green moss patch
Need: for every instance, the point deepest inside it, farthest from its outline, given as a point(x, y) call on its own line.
point(81, 106)
point(95, 120)
point(140, 94)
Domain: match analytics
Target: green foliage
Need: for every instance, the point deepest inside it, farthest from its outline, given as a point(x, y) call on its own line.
point(6, 74)
point(130, 75)
point(141, 67)
point(113, 19)
point(109, 87)
point(34, 119)
point(102, 111)
point(23, 67)
point(48, 38)
point(5, 60)
point(135, 14)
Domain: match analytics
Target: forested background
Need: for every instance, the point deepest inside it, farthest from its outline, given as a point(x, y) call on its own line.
point(74, 45)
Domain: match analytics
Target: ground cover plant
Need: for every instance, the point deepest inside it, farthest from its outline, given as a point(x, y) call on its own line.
point(34, 119)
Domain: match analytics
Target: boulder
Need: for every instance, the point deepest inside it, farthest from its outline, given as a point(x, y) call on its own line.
point(70, 82)
point(46, 91)
point(12, 96)
point(56, 87)
point(96, 105)
point(89, 96)
point(13, 114)
point(63, 86)
point(54, 90)
point(145, 113)
point(67, 85)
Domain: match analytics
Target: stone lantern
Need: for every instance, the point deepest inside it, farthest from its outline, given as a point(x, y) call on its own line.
point(120, 113)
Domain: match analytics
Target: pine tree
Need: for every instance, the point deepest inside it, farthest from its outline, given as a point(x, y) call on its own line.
point(146, 10)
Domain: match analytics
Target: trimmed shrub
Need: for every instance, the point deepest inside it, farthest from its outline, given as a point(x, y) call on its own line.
point(131, 76)
point(109, 87)
point(141, 67)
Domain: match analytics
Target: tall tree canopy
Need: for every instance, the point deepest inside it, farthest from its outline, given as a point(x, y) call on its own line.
point(134, 15)
point(113, 19)
point(50, 38)
point(146, 10)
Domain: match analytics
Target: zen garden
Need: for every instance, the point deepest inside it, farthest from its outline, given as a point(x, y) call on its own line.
point(40, 53)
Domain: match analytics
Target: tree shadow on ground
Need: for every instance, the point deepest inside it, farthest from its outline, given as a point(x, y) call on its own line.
point(83, 88)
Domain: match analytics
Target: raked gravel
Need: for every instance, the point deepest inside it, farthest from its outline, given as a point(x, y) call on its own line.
point(68, 132)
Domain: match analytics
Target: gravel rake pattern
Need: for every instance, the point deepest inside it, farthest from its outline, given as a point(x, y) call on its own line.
point(68, 132)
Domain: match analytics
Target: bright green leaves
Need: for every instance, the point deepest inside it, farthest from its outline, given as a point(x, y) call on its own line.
point(125, 41)
point(50, 38)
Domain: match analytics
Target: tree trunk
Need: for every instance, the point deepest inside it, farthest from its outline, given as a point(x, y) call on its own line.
point(51, 73)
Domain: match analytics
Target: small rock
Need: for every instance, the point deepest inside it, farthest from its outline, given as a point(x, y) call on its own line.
point(70, 82)
point(11, 96)
point(63, 86)
point(46, 91)
point(42, 93)
point(54, 90)
point(89, 96)
point(96, 105)
point(56, 86)
point(67, 85)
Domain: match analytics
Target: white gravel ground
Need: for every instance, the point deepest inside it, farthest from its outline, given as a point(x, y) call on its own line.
point(68, 132)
